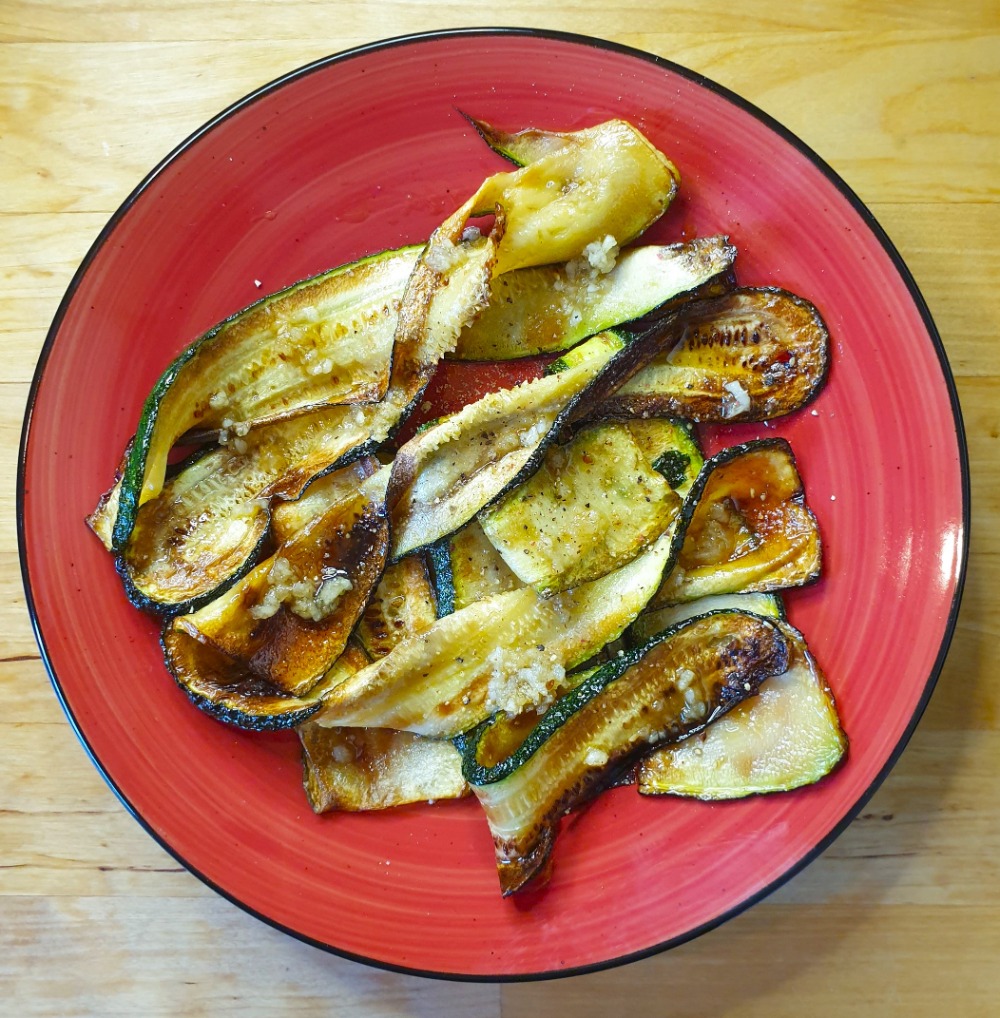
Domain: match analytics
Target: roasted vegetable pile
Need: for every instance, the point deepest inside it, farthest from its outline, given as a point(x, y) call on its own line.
point(544, 594)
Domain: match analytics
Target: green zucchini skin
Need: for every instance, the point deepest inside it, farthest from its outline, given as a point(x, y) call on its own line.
point(133, 476)
point(439, 560)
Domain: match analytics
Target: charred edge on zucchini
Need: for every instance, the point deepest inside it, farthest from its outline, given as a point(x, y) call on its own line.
point(223, 689)
point(750, 355)
point(676, 684)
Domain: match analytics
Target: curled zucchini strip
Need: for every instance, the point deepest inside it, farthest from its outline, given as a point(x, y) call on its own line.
point(675, 684)
point(749, 355)
point(550, 308)
point(748, 527)
point(210, 523)
point(787, 736)
point(222, 687)
point(575, 189)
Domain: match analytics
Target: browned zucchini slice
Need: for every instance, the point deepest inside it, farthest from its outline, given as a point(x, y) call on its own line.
point(787, 736)
point(355, 769)
point(750, 355)
point(403, 605)
point(675, 684)
point(326, 340)
point(748, 529)
point(289, 619)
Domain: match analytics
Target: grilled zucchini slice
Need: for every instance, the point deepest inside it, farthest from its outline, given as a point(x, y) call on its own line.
point(675, 684)
point(749, 355)
point(787, 736)
point(592, 506)
point(553, 307)
point(748, 527)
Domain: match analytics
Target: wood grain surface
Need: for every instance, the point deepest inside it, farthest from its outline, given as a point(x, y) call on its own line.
point(902, 914)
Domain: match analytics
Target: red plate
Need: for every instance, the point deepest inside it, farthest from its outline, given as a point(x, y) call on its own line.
point(364, 151)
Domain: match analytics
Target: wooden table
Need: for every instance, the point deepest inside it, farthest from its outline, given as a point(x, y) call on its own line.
point(900, 915)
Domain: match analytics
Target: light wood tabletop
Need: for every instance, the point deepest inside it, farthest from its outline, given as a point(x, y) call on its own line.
point(901, 915)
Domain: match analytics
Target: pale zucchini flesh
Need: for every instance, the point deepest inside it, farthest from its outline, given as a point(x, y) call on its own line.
point(361, 769)
point(550, 308)
point(592, 506)
point(476, 568)
point(786, 737)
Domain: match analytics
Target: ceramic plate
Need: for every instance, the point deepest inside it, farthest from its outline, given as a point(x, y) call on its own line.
point(367, 150)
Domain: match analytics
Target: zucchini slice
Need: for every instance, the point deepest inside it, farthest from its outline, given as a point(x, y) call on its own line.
point(675, 684)
point(443, 476)
point(592, 506)
point(355, 769)
point(652, 622)
point(604, 183)
point(749, 355)
point(671, 448)
point(748, 527)
point(504, 652)
point(787, 736)
point(477, 570)
point(553, 307)
point(325, 340)
point(403, 605)
point(208, 525)
point(289, 619)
